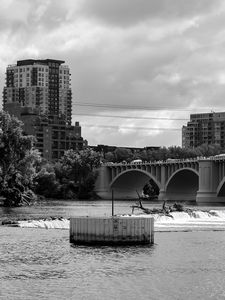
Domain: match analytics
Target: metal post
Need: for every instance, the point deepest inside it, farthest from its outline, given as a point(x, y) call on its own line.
point(112, 204)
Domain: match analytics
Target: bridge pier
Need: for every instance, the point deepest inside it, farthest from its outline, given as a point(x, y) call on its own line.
point(162, 192)
point(162, 195)
point(102, 184)
point(204, 197)
point(208, 182)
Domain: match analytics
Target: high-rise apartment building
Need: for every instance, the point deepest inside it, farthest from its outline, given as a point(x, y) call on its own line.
point(204, 128)
point(38, 92)
point(42, 84)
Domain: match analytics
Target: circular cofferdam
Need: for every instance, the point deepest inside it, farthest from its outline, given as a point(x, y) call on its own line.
point(128, 182)
point(183, 185)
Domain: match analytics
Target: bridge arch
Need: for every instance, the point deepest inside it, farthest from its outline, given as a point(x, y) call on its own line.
point(221, 188)
point(182, 185)
point(126, 183)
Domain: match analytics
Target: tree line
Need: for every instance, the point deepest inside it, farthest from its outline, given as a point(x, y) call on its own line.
point(26, 177)
point(162, 154)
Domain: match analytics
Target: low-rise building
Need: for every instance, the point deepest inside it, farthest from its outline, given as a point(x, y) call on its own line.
point(53, 135)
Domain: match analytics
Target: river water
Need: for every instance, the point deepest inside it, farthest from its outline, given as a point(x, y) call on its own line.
point(187, 260)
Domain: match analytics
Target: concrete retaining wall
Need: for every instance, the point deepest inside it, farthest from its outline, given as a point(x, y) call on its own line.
point(111, 230)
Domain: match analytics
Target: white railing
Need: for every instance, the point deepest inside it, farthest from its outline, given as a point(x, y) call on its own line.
point(172, 161)
point(180, 160)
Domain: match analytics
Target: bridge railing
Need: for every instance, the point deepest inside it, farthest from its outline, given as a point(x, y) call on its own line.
point(222, 157)
point(168, 161)
point(156, 162)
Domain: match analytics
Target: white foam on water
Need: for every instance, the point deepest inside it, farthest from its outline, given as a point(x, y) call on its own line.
point(201, 214)
point(47, 224)
point(181, 215)
point(218, 213)
point(213, 219)
point(194, 220)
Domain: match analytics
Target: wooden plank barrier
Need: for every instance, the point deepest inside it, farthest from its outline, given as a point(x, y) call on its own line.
point(111, 230)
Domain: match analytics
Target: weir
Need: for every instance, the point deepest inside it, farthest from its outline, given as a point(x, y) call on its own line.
point(180, 221)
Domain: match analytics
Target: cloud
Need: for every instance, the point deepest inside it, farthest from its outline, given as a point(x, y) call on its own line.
point(129, 13)
point(163, 53)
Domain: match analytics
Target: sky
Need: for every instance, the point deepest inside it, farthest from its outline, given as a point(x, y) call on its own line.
point(139, 68)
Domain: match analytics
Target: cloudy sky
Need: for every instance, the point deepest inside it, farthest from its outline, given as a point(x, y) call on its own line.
point(139, 67)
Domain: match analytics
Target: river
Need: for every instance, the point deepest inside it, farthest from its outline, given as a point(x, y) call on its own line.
point(186, 261)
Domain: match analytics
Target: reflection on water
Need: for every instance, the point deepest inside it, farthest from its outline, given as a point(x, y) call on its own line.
point(102, 260)
point(67, 209)
point(47, 258)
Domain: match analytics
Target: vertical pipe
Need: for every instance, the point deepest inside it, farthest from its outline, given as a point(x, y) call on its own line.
point(112, 204)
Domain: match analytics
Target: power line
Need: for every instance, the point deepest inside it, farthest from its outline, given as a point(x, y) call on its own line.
point(116, 106)
point(131, 128)
point(130, 117)
point(125, 106)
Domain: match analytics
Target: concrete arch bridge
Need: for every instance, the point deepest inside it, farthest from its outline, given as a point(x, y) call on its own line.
point(200, 180)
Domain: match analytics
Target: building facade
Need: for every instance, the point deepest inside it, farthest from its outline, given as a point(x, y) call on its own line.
point(42, 84)
point(38, 93)
point(205, 128)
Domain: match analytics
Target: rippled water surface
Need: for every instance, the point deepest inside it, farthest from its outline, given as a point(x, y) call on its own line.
point(41, 264)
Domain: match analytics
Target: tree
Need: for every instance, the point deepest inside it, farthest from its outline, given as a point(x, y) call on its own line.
point(109, 156)
point(46, 183)
point(17, 162)
point(123, 154)
point(208, 150)
point(151, 189)
point(79, 170)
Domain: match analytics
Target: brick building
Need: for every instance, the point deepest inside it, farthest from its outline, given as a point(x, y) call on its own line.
point(38, 92)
